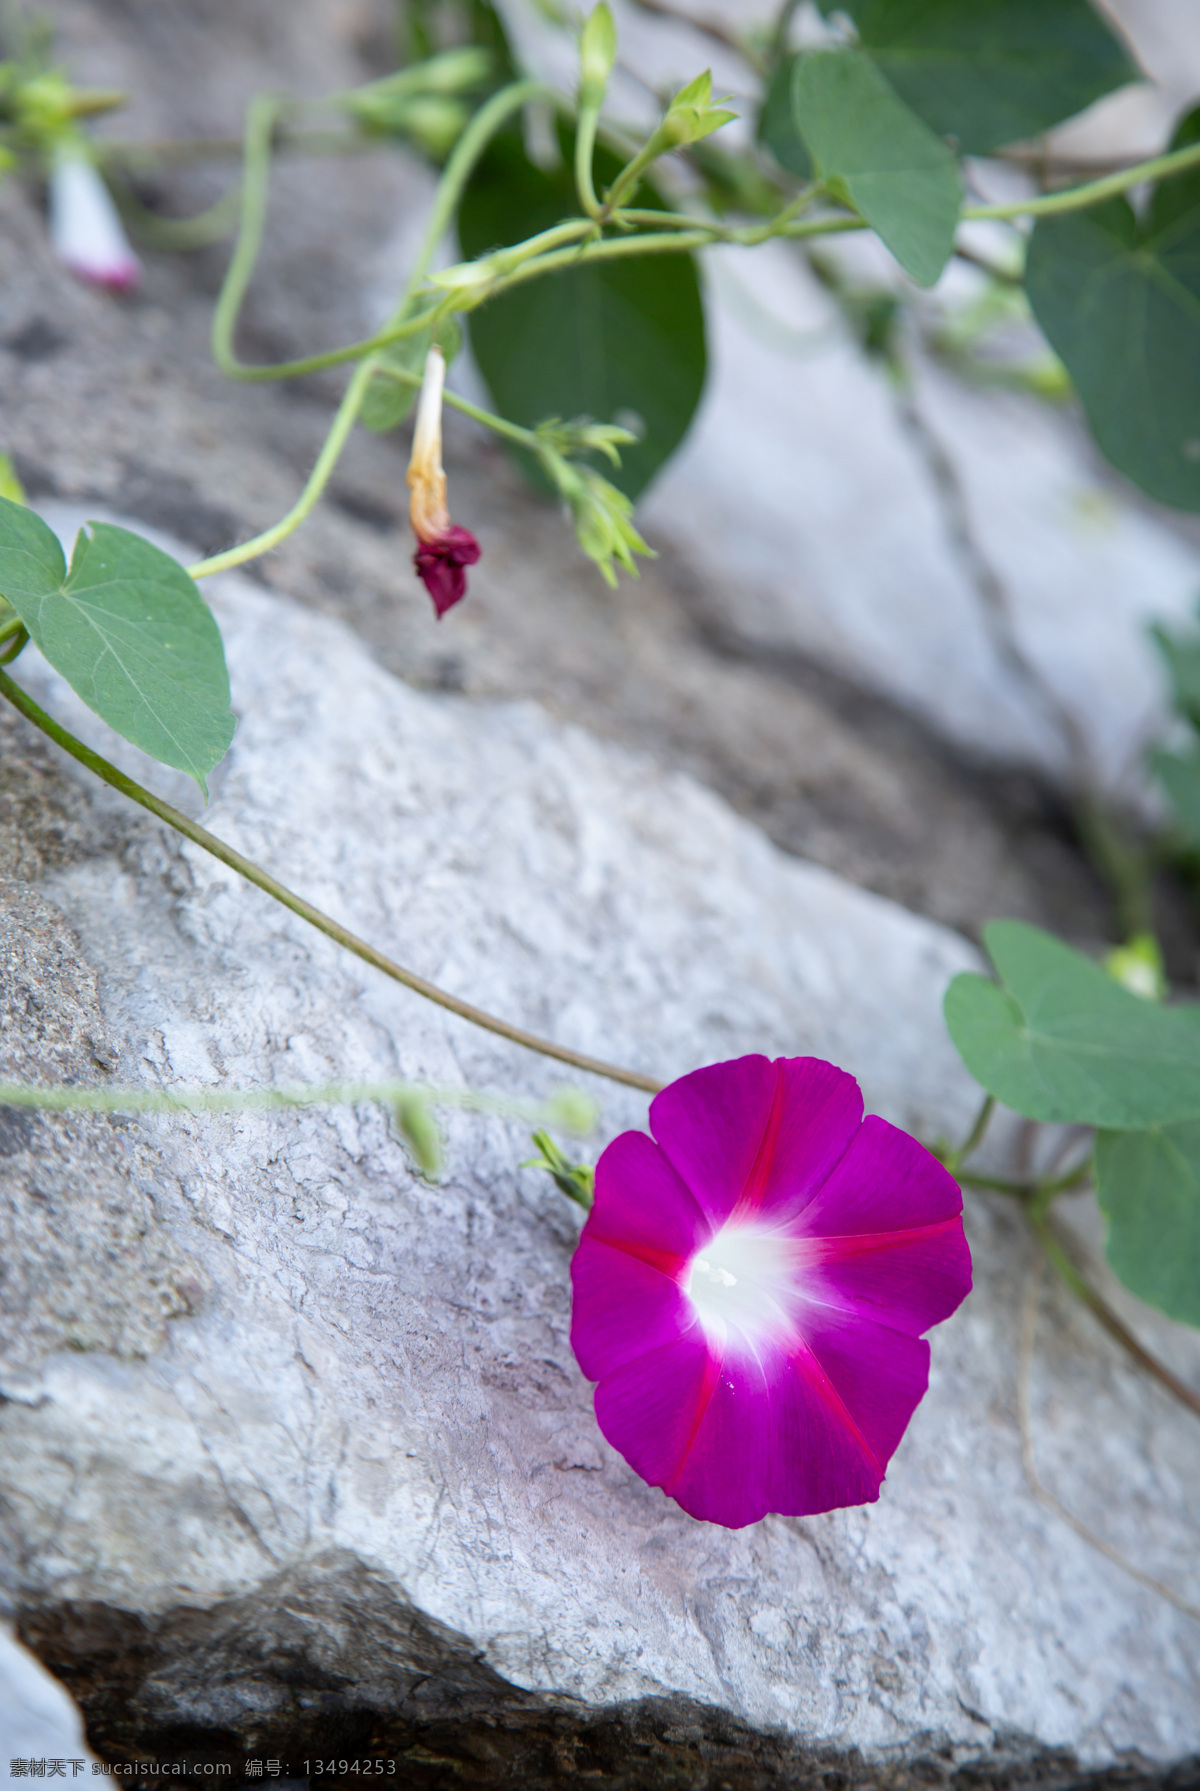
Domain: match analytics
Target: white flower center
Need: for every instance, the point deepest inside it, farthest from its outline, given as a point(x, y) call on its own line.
point(744, 1284)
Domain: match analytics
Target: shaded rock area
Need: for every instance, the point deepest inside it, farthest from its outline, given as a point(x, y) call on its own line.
point(355, 1670)
point(375, 1397)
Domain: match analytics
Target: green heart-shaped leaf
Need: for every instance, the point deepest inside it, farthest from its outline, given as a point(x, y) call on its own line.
point(1059, 1040)
point(1148, 1185)
point(867, 144)
point(129, 632)
point(596, 341)
point(987, 72)
point(1119, 301)
point(31, 557)
point(1179, 775)
point(777, 126)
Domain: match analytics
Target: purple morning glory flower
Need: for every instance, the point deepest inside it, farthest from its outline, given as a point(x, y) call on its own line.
point(751, 1287)
point(444, 550)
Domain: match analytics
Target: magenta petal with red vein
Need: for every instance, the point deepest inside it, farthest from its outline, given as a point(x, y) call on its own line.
point(751, 1287)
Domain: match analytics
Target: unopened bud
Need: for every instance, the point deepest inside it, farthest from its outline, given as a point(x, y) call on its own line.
point(1138, 967)
point(693, 114)
point(597, 53)
point(85, 231)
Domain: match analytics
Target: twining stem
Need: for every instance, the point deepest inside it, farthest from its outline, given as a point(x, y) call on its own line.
point(344, 420)
point(197, 232)
point(585, 152)
point(260, 124)
point(1092, 192)
point(974, 1137)
point(1060, 1261)
point(262, 114)
point(62, 1099)
point(514, 432)
point(674, 234)
point(253, 873)
point(1025, 1421)
point(12, 642)
point(1037, 1197)
point(483, 127)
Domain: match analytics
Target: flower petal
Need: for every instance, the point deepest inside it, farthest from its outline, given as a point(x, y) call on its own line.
point(776, 1436)
point(816, 1113)
point(650, 1409)
point(756, 1136)
point(886, 1181)
point(709, 1126)
point(642, 1206)
point(879, 1375)
point(908, 1279)
point(622, 1308)
point(728, 1474)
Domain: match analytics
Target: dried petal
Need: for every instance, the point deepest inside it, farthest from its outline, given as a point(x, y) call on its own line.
point(444, 550)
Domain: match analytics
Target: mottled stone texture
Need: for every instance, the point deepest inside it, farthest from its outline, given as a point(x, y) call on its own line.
point(293, 1452)
point(357, 1501)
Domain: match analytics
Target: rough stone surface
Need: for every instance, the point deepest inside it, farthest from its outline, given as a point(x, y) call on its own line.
point(352, 1495)
point(83, 1263)
point(380, 1366)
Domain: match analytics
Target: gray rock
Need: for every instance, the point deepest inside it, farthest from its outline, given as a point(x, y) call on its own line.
point(37, 1718)
point(360, 1492)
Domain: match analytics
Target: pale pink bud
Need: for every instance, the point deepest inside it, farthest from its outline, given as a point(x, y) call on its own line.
point(86, 233)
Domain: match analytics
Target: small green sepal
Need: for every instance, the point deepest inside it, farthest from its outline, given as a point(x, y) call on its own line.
point(575, 1180)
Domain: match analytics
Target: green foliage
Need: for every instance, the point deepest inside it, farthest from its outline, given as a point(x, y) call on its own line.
point(10, 486)
point(575, 1180)
point(602, 515)
point(393, 390)
point(1138, 966)
point(31, 559)
point(1118, 298)
point(693, 113)
point(777, 125)
point(987, 72)
point(1182, 655)
point(1179, 775)
point(422, 102)
point(421, 1133)
point(598, 340)
point(129, 632)
point(877, 155)
point(1058, 1039)
point(1148, 1185)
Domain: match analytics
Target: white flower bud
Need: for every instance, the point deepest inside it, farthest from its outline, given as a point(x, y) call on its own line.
point(85, 231)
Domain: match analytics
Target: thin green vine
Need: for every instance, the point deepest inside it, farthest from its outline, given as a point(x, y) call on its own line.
point(253, 873)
